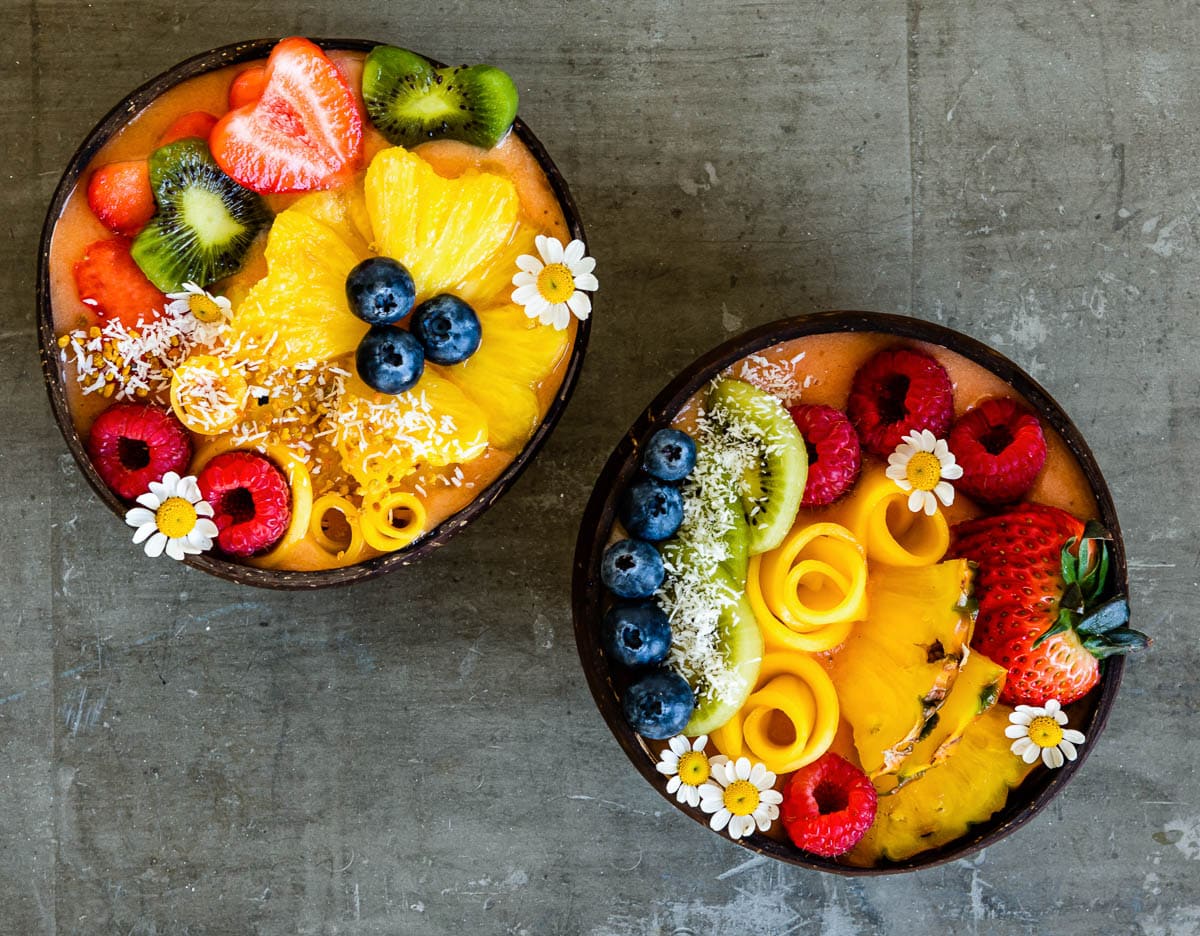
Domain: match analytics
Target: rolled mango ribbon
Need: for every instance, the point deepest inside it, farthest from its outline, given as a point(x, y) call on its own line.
point(346, 553)
point(789, 720)
point(808, 592)
point(390, 520)
point(877, 514)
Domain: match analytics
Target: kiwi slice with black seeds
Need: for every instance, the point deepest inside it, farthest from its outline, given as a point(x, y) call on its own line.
point(205, 221)
point(410, 101)
point(772, 487)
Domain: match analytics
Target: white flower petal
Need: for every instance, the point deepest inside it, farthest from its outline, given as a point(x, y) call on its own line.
point(941, 450)
point(1052, 706)
point(699, 743)
point(526, 294)
point(1021, 746)
point(674, 784)
point(1032, 710)
point(745, 825)
point(1068, 749)
point(763, 819)
point(144, 531)
point(203, 509)
point(757, 773)
point(175, 548)
point(679, 745)
point(573, 252)
point(150, 500)
point(137, 516)
point(720, 819)
point(560, 316)
point(1020, 718)
point(550, 248)
point(928, 440)
point(155, 545)
point(582, 267)
point(524, 279)
point(742, 768)
point(206, 528)
point(1060, 716)
point(665, 768)
point(1075, 737)
point(1052, 757)
point(581, 305)
point(1016, 731)
point(717, 760)
point(587, 281)
point(530, 264)
point(693, 795)
point(916, 501)
point(945, 492)
point(952, 472)
point(771, 797)
point(897, 472)
point(930, 503)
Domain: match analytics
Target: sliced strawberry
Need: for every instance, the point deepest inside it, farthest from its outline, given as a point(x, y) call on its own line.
point(304, 133)
point(247, 87)
point(193, 124)
point(110, 282)
point(119, 194)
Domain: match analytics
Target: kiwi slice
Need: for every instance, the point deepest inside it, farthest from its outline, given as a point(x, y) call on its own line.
point(410, 101)
point(773, 485)
point(205, 221)
point(740, 644)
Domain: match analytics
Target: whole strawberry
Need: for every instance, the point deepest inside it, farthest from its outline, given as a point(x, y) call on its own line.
point(1045, 612)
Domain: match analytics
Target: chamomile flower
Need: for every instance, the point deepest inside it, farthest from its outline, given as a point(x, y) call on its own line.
point(204, 306)
point(740, 798)
point(924, 466)
point(554, 286)
point(688, 767)
point(1040, 732)
point(173, 518)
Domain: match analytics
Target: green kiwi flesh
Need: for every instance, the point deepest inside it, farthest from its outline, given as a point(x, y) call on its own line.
point(741, 646)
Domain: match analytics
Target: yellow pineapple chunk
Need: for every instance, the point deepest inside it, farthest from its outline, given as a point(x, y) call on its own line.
point(299, 308)
point(896, 668)
point(383, 438)
point(440, 229)
point(502, 377)
point(343, 210)
point(491, 281)
point(975, 691)
point(967, 788)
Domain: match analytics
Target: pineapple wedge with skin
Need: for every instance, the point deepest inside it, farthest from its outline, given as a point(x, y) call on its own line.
point(975, 691)
point(967, 788)
point(895, 670)
point(440, 229)
point(299, 308)
point(501, 378)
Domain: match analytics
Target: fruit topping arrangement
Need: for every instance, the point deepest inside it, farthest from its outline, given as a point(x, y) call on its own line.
point(321, 311)
point(857, 607)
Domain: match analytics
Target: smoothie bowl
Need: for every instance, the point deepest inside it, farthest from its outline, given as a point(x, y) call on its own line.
point(851, 592)
point(307, 308)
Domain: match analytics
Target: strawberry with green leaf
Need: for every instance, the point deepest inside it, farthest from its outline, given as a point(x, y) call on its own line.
point(1046, 608)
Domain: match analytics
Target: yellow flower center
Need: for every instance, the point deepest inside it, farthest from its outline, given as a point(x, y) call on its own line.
point(1045, 732)
point(204, 308)
point(175, 518)
point(693, 768)
point(741, 797)
point(924, 471)
point(555, 282)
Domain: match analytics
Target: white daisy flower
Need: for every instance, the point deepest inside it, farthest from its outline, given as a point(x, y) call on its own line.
point(173, 518)
point(206, 307)
point(924, 466)
point(551, 288)
point(741, 798)
point(1040, 731)
point(688, 767)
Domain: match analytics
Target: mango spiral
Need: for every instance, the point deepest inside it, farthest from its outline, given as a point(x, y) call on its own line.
point(877, 514)
point(789, 720)
point(808, 592)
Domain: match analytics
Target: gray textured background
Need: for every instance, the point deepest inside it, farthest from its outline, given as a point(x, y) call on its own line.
point(419, 754)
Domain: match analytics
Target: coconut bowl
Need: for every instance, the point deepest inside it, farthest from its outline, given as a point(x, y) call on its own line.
point(432, 539)
point(589, 599)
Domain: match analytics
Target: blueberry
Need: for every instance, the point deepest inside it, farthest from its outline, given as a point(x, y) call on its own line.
point(632, 569)
point(389, 359)
point(652, 509)
point(636, 635)
point(380, 291)
point(658, 705)
point(670, 455)
point(448, 328)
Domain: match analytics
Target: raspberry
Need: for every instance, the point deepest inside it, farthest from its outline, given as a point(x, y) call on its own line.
point(132, 444)
point(828, 806)
point(1001, 448)
point(833, 453)
point(250, 500)
point(896, 392)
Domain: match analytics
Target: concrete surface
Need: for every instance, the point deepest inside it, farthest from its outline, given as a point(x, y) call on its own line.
point(419, 754)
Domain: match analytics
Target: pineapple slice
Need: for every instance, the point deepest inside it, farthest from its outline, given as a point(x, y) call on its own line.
point(440, 229)
point(299, 308)
point(344, 211)
point(502, 377)
point(965, 789)
point(491, 281)
point(975, 691)
point(896, 668)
